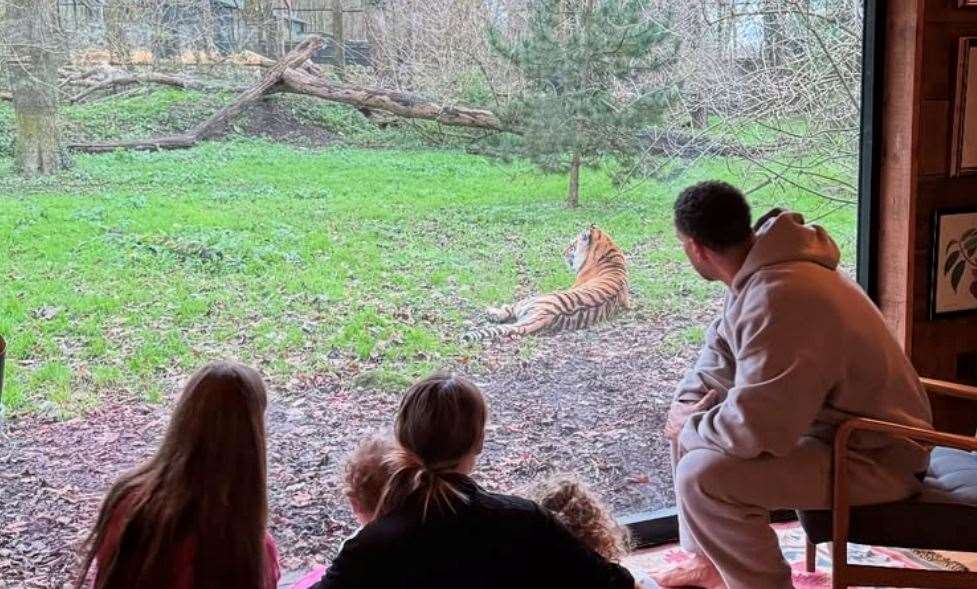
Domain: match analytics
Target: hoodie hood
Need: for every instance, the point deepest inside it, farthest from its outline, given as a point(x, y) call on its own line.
point(785, 238)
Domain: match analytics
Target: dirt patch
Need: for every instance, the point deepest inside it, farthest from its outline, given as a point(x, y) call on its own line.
point(269, 119)
point(592, 402)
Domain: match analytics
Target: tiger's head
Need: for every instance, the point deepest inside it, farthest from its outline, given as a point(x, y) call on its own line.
point(589, 241)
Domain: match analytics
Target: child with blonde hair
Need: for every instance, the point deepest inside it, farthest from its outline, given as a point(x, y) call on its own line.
point(367, 472)
point(582, 512)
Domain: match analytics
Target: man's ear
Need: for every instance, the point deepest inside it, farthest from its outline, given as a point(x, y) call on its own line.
point(701, 252)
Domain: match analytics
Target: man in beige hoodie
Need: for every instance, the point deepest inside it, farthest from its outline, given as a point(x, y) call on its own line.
point(798, 349)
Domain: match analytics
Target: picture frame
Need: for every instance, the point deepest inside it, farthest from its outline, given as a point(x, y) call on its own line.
point(963, 140)
point(953, 276)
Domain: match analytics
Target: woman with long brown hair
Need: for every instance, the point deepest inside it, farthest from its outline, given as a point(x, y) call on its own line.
point(435, 527)
point(194, 515)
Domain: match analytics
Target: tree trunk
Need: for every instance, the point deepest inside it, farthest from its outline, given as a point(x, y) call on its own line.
point(339, 35)
point(573, 195)
point(696, 105)
point(698, 113)
point(773, 34)
point(32, 68)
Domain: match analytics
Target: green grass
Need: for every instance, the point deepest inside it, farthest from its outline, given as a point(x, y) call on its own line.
point(128, 271)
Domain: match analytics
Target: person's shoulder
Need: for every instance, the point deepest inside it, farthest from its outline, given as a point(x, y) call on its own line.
point(792, 283)
point(355, 564)
point(383, 531)
point(505, 503)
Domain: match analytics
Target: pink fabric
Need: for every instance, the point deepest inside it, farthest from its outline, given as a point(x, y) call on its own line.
point(184, 553)
point(311, 578)
point(793, 545)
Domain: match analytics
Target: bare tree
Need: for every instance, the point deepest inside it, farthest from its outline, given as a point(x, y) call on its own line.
point(262, 23)
point(780, 80)
point(32, 59)
point(117, 15)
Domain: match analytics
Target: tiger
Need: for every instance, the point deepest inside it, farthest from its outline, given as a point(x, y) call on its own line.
point(600, 290)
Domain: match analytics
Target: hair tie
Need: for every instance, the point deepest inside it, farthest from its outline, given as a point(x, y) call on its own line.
point(442, 466)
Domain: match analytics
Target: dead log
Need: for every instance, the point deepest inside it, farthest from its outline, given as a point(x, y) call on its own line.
point(215, 123)
point(153, 78)
point(310, 79)
point(397, 103)
point(309, 67)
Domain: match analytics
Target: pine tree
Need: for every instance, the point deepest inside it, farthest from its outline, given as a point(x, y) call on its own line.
point(574, 57)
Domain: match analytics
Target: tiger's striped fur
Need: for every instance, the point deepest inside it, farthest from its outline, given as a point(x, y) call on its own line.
point(601, 288)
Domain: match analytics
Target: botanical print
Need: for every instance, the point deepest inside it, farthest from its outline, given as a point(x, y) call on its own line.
point(961, 257)
point(956, 284)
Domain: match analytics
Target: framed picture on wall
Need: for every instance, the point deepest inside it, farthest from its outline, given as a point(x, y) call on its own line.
point(963, 141)
point(953, 284)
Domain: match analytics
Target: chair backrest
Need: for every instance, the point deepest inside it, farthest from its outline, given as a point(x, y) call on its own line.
point(950, 389)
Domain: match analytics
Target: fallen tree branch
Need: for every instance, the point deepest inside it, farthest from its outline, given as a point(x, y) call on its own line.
point(311, 80)
point(215, 123)
point(296, 74)
point(397, 103)
point(308, 67)
point(153, 78)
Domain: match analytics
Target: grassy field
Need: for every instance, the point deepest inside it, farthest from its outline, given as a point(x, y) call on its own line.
point(124, 273)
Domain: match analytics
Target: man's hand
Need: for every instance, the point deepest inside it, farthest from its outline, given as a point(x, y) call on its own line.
point(679, 413)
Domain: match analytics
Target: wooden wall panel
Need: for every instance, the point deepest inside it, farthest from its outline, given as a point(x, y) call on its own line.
point(940, 11)
point(938, 63)
point(934, 345)
point(934, 129)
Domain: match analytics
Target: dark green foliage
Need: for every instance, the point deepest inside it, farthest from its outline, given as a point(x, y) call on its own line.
point(961, 253)
point(585, 65)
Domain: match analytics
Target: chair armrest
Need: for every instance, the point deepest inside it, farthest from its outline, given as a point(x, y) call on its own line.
point(840, 505)
point(950, 389)
point(846, 429)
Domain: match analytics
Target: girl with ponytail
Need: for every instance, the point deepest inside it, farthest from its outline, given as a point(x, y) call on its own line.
point(434, 527)
point(440, 428)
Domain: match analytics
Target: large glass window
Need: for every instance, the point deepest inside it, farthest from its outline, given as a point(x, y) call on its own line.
point(434, 159)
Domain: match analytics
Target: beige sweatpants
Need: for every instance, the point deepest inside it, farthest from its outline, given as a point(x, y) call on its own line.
point(724, 504)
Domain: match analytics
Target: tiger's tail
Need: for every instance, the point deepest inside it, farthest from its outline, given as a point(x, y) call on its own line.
point(515, 329)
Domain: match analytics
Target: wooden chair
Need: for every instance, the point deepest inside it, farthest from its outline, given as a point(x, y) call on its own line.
point(942, 517)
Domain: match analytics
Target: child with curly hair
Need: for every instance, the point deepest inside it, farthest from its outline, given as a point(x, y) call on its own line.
point(583, 513)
